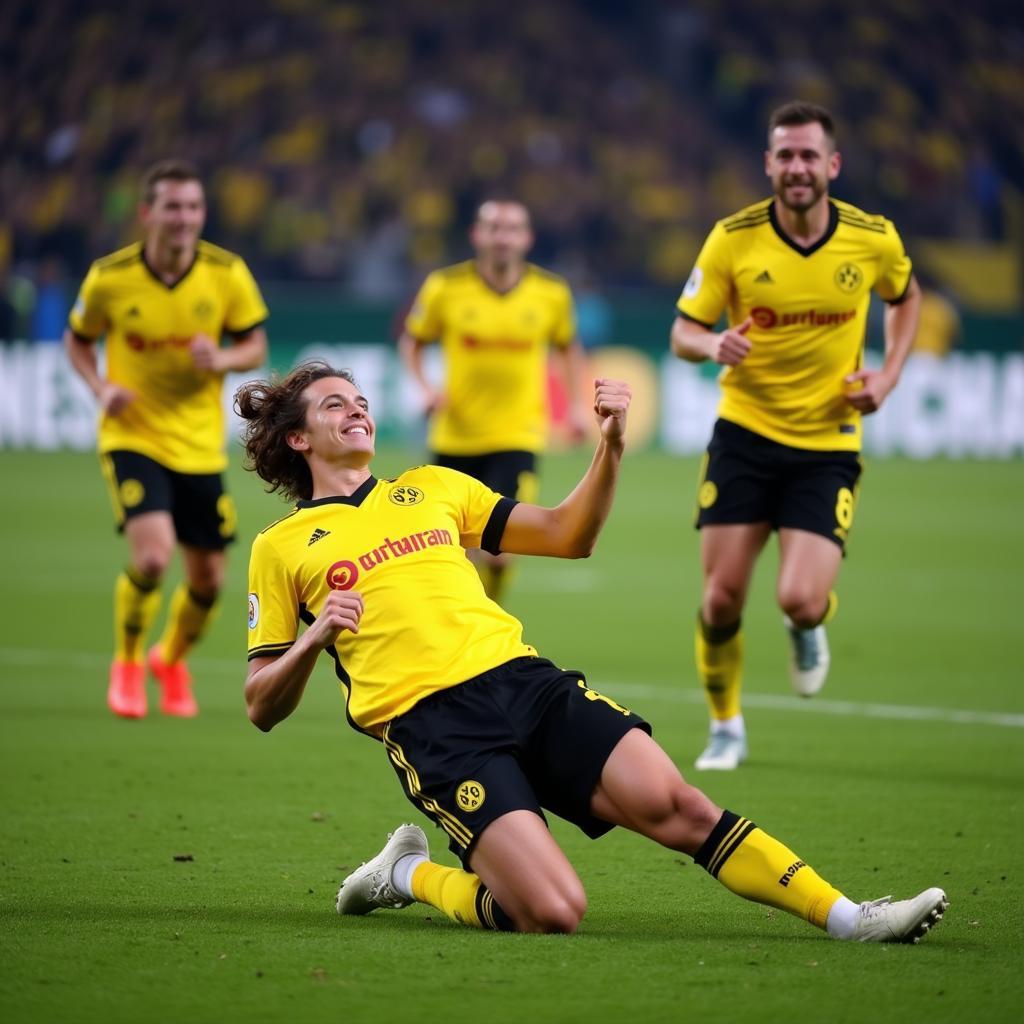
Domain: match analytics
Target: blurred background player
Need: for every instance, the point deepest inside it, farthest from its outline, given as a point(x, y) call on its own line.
point(162, 306)
point(497, 318)
point(795, 274)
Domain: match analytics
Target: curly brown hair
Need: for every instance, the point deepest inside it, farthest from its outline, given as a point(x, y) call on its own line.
point(271, 408)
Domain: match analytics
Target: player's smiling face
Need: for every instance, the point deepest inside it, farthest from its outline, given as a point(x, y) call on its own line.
point(338, 422)
point(175, 218)
point(801, 163)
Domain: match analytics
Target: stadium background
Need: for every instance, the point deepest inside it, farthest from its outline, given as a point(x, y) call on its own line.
point(165, 871)
point(345, 146)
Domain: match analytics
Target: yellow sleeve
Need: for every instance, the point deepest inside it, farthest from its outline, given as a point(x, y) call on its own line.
point(895, 268)
point(246, 308)
point(472, 501)
point(88, 316)
point(564, 332)
point(273, 603)
point(425, 321)
point(707, 291)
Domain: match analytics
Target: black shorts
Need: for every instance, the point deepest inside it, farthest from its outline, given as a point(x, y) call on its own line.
point(522, 736)
point(204, 515)
point(748, 478)
point(513, 474)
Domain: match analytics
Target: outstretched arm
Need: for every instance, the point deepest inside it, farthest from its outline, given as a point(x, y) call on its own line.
point(571, 529)
point(274, 686)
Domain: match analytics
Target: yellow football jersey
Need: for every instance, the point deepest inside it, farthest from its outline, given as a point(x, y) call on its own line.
point(809, 309)
point(495, 347)
point(427, 624)
point(177, 417)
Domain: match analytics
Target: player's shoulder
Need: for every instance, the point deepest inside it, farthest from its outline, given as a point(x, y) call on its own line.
point(268, 535)
point(119, 259)
point(543, 274)
point(214, 255)
point(854, 217)
point(546, 278)
point(454, 273)
point(752, 216)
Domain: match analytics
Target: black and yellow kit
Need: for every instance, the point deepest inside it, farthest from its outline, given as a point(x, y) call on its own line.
point(809, 310)
point(177, 417)
point(495, 347)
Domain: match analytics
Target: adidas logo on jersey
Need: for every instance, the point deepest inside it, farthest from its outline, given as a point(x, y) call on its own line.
point(764, 278)
point(316, 535)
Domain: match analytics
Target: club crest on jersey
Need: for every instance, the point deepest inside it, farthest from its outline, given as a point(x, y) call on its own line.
point(403, 494)
point(849, 278)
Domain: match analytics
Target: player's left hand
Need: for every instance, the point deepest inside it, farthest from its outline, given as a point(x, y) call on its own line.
point(206, 353)
point(611, 403)
point(866, 390)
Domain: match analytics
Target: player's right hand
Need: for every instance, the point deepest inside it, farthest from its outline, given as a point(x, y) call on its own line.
point(114, 399)
point(342, 610)
point(732, 346)
point(434, 401)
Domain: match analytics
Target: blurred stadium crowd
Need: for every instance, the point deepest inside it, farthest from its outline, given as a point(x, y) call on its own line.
point(349, 142)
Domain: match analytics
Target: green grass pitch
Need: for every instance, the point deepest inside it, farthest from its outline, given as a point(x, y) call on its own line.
point(170, 870)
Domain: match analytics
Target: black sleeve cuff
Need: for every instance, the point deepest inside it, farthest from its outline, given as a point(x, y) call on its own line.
point(903, 294)
point(491, 539)
point(693, 319)
point(246, 330)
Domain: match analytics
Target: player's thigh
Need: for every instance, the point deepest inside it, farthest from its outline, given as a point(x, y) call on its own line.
point(808, 566)
point(641, 789)
point(528, 874)
point(728, 552)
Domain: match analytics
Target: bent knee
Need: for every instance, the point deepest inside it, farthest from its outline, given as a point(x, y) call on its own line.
point(152, 563)
point(723, 603)
point(554, 914)
point(805, 608)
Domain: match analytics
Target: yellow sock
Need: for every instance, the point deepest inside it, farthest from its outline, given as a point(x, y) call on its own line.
point(750, 863)
point(459, 895)
point(830, 610)
point(136, 602)
point(186, 620)
point(719, 656)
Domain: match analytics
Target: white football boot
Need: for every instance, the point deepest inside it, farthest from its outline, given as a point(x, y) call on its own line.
point(370, 885)
point(724, 752)
point(808, 658)
point(902, 921)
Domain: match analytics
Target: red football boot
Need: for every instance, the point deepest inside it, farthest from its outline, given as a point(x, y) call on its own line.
point(126, 694)
point(176, 683)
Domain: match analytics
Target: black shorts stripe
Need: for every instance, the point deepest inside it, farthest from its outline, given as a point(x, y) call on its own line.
point(455, 828)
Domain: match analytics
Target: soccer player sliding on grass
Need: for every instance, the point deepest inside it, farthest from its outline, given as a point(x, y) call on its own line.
point(481, 731)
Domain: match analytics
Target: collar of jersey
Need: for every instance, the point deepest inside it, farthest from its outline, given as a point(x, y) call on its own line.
point(356, 498)
point(173, 284)
point(806, 250)
point(497, 291)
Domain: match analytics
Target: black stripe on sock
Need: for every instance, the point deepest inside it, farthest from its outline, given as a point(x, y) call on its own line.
point(144, 583)
point(731, 848)
point(728, 821)
point(718, 634)
point(200, 600)
point(491, 915)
